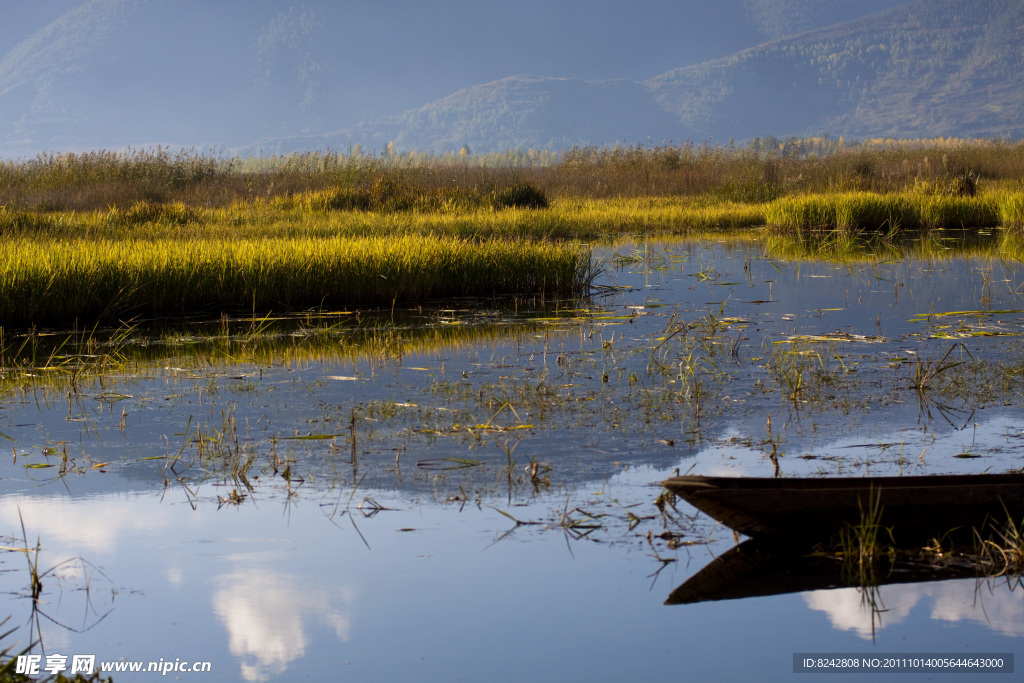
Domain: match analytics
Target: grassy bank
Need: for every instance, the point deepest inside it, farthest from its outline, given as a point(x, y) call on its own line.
point(161, 259)
point(61, 282)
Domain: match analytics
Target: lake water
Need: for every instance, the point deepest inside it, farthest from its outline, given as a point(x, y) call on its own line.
point(469, 492)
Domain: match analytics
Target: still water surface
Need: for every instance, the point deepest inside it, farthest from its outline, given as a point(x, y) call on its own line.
point(497, 520)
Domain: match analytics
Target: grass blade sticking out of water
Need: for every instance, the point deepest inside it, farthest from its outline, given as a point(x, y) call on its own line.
point(1001, 552)
point(927, 370)
point(861, 544)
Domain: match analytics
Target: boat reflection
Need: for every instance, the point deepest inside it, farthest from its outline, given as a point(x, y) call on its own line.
point(757, 569)
point(957, 589)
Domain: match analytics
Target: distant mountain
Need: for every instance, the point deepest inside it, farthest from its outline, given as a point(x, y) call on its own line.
point(270, 77)
point(518, 112)
point(782, 18)
point(81, 74)
point(925, 69)
point(533, 111)
point(928, 68)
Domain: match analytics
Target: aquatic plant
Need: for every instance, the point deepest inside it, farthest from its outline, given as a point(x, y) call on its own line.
point(1000, 547)
point(927, 370)
point(880, 212)
point(140, 212)
point(863, 546)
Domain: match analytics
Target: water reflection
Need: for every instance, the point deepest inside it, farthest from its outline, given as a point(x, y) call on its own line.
point(683, 364)
point(281, 590)
point(86, 530)
point(996, 605)
point(265, 611)
point(948, 588)
point(873, 247)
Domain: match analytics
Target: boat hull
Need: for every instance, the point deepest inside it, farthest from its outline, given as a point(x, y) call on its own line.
point(933, 505)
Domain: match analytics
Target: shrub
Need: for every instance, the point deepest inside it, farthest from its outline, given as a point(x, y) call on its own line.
point(519, 195)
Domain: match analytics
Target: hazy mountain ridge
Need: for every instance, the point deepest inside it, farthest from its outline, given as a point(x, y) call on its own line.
point(55, 48)
point(535, 111)
point(931, 68)
point(777, 19)
point(928, 68)
point(113, 73)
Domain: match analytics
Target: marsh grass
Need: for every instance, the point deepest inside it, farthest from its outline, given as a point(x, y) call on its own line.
point(105, 235)
point(978, 381)
point(66, 282)
point(22, 222)
point(391, 192)
point(927, 370)
point(800, 369)
point(760, 172)
point(863, 545)
point(8, 660)
point(141, 212)
point(1000, 551)
point(888, 213)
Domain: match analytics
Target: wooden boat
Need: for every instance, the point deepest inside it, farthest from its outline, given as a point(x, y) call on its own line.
point(910, 506)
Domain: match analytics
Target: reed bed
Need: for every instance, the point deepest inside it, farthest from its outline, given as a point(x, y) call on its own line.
point(77, 281)
point(761, 171)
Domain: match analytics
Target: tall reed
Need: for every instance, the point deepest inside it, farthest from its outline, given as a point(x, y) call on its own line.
point(763, 170)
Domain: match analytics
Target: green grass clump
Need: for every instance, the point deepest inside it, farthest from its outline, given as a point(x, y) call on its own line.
point(881, 212)
point(964, 211)
point(1011, 209)
point(82, 280)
